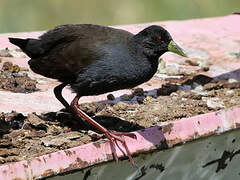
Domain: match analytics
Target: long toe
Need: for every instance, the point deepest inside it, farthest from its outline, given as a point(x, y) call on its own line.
point(114, 138)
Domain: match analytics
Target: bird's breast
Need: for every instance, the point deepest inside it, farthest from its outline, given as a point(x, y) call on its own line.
point(113, 74)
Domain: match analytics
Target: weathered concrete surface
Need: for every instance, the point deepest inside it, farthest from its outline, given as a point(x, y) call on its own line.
point(214, 39)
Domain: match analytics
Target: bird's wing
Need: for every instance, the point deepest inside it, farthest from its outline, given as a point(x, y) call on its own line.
point(71, 48)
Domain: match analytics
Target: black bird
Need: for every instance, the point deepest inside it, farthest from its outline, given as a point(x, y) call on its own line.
point(95, 59)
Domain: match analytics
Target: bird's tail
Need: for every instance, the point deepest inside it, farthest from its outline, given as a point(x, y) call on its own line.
point(22, 43)
point(32, 47)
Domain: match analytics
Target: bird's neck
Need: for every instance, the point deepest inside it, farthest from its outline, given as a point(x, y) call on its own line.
point(147, 64)
point(138, 46)
point(138, 49)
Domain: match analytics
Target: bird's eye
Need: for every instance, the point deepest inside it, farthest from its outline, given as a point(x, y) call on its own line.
point(159, 39)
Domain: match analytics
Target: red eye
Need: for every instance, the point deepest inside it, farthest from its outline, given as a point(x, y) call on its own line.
point(159, 39)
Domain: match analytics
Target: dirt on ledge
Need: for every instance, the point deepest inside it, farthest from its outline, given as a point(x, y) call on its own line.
point(23, 137)
point(14, 80)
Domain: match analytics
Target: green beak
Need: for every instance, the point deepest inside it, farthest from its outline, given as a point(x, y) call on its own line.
point(173, 47)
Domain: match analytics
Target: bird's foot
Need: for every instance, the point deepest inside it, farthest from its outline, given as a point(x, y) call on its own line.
point(114, 137)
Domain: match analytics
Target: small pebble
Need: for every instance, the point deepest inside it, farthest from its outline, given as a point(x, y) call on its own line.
point(229, 92)
point(110, 97)
point(5, 53)
point(138, 92)
point(205, 69)
point(8, 66)
point(184, 99)
point(16, 68)
point(192, 62)
point(214, 103)
point(167, 89)
point(231, 80)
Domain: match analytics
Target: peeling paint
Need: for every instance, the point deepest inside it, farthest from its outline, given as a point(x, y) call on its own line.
point(237, 125)
point(4, 171)
point(162, 145)
point(193, 137)
point(109, 156)
point(75, 165)
point(167, 128)
point(174, 142)
point(97, 144)
point(48, 172)
point(68, 153)
point(44, 160)
point(61, 170)
point(222, 161)
point(159, 167)
point(39, 160)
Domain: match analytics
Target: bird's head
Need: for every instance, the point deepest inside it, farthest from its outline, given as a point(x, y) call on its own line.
point(156, 40)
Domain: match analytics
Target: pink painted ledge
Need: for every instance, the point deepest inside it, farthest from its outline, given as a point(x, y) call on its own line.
point(212, 38)
point(160, 137)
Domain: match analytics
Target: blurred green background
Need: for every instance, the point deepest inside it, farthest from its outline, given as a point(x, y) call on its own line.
point(32, 15)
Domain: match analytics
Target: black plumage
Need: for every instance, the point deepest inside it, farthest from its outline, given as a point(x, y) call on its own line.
point(95, 59)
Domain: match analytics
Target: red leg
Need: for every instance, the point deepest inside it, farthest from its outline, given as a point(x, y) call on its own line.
point(58, 94)
point(112, 136)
